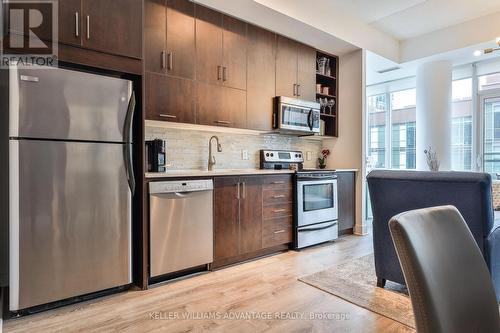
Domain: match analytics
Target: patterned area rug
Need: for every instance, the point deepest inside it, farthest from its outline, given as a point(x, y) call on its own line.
point(355, 282)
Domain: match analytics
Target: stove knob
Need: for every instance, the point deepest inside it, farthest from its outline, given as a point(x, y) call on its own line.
point(272, 154)
point(267, 154)
point(296, 155)
point(300, 155)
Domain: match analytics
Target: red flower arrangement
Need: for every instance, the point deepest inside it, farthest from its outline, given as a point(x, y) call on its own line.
point(322, 160)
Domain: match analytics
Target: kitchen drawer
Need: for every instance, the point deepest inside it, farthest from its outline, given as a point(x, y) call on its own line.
point(277, 210)
point(275, 196)
point(277, 231)
point(277, 182)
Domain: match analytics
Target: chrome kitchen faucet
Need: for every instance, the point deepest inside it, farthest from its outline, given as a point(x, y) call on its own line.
point(211, 158)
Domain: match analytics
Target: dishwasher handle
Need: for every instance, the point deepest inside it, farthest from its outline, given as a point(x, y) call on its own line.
point(178, 195)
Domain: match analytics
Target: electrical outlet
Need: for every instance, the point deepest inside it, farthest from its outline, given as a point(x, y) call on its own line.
point(244, 154)
point(309, 155)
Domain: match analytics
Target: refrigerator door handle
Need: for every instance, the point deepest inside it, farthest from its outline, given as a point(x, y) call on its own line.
point(127, 136)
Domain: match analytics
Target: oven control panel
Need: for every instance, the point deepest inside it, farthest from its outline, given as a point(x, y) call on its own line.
point(283, 156)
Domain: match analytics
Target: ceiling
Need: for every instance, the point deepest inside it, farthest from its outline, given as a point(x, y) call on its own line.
point(420, 17)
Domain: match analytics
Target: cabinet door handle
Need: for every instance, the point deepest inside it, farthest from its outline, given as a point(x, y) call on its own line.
point(280, 231)
point(219, 69)
point(77, 28)
point(223, 122)
point(298, 90)
point(278, 196)
point(170, 61)
point(238, 195)
point(167, 115)
point(294, 89)
point(279, 210)
point(224, 73)
point(279, 182)
point(244, 189)
point(88, 27)
point(163, 59)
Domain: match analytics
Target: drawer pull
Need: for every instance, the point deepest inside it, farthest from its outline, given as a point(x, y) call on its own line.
point(163, 59)
point(280, 231)
point(279, 210)
point(225, 122)
point(88, 27)
point(167, 116)
point(77, 32)
point(279, 182)
point(278, 196)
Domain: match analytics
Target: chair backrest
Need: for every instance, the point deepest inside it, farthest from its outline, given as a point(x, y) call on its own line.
point(449, 284)
point(396, 191)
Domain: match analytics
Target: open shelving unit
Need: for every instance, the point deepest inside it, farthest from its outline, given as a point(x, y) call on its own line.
point(327, 78)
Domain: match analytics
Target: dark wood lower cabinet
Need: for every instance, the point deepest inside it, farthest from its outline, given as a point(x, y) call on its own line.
point(242, 228)
point(226, 218)
point(250, 214)
point(346, 185)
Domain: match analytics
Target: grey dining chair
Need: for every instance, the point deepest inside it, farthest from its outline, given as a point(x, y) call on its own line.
point(449, 283)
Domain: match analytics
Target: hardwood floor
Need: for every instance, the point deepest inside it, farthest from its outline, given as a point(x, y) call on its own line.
point(254, 288)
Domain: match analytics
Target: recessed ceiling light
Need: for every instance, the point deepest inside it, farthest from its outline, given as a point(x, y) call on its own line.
point(477, 53)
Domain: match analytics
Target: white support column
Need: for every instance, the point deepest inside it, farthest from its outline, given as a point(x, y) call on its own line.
point(434, 82)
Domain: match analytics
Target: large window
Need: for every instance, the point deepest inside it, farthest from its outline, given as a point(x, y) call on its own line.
point(397, 108)
point(403, 107)
point(491, 143)
point(461, 139)
point(377, 113)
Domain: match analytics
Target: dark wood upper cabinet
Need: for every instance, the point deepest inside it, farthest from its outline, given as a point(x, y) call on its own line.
point(234, 53)
point(69, 21)
point(220, 106)
point(306, 74)
point(113, 26)
point(169, 31)
point(220, 49)
point(170, 98)
point(286, 67)
point(295, 70)
point(226, 217)
point(181, 52)
point(208, 45)
point(261, 83)
point(155, 35)
point(251, 214)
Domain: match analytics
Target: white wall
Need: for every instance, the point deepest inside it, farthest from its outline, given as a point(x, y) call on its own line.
point(347, 149)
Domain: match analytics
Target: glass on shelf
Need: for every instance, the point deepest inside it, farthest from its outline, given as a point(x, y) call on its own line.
point(322, 65)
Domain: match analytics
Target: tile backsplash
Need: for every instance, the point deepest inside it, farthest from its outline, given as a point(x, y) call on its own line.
point(188, 149)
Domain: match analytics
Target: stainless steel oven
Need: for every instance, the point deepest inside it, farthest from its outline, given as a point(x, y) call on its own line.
point(317, 208)
point(294, 115)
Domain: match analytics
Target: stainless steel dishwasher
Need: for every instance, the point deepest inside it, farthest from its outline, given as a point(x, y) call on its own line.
point(181, 225)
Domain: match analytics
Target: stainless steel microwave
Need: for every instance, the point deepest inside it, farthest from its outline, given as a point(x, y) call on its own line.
point(294, 115)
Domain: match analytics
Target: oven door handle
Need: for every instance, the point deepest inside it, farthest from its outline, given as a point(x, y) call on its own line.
point(318, 228)
point(305, 179)
point(309, 120)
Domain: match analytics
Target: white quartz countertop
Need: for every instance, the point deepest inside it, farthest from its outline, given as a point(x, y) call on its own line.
point(223, 172)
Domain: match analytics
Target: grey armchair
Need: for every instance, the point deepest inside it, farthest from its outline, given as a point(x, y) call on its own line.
point(395, 191)
point(448, 281)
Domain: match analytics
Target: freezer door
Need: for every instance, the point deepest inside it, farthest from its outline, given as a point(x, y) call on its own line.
point(54, 103)
point(70, 220)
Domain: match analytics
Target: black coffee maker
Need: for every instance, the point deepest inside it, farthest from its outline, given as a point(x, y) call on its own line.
point(156, 155)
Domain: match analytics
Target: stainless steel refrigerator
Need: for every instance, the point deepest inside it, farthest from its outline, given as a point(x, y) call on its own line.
point(70, 184)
